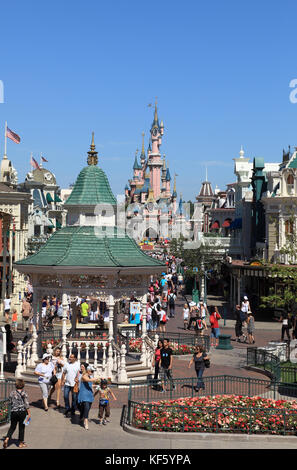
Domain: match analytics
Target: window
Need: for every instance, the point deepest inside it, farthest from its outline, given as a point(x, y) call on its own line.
point(289, 227)
point(290, 184)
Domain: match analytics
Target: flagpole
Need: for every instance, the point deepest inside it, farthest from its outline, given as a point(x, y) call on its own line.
point(5, 141)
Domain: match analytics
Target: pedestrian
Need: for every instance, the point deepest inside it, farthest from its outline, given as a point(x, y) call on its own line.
point(44, 371)
point(203, 310)
point(154, 318)
point(251, 327)
point(162, 319)
point(284, 319)
point(14, 320)
point(171, 303)
point(19, 413)
point(243, 317)
point(200, 326)
point(156, 361)
point(69, 374)
point(58, 363)
point(245, 305)
point(44, 306)
point(186, 313)
point(214, 324)
point(199, 358)
point(26, 312)
point(7, 307)
point(166, 365)
point(85, 396)
point(193, 314)
point(84, 308)
point(104, 406)
point(294, 326)
point(9, 342)
point(26, 337)
point(238, 323)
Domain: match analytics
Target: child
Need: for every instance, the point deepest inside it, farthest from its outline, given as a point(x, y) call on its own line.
point(186, 312)
point(104, 394)
point(14, 319)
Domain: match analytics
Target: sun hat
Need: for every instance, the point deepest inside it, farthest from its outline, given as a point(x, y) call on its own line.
point(45, 356)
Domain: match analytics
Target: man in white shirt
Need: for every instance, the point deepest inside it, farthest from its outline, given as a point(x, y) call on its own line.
point(69, 376)
point(7, 306)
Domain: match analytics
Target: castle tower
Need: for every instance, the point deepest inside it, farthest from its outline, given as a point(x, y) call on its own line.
point(154, 161)
point(142, 155)
point(168, 179)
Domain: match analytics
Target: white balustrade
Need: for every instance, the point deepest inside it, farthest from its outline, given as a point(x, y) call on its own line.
point(122, 376)
point(19, 368)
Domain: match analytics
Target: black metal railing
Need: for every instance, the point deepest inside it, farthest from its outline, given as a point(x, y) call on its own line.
point(264, 360)
point(6, 387)
point(280, 372)
point(154, 411)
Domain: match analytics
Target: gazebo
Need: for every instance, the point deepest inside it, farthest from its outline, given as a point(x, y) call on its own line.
point(92, 257)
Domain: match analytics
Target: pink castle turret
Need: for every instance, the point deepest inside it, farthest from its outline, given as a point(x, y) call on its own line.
point(155, 164)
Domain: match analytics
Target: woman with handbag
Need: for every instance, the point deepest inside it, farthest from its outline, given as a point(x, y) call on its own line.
point(58, 363)
point(201, 361)
point(20, 413)
point(85, 395)
point(44, 371)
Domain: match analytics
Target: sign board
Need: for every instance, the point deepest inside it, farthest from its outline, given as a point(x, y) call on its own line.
point(195, 270)
point(135, 312)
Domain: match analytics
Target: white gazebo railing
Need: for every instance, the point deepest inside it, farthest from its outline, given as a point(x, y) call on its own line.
point(108, 358)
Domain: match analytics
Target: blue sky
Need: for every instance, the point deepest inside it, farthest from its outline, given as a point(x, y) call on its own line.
point(220, 69)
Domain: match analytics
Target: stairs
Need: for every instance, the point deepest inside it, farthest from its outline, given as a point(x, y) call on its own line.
point(135, 372)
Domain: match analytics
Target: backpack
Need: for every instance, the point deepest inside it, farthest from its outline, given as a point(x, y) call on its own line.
point(171, 300)
point(154, 315)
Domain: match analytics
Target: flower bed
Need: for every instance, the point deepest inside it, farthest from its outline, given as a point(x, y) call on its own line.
point(177, 349)
point(4, 411)
point(222, 413)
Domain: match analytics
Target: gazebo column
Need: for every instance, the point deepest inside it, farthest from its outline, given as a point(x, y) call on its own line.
point(110, 335)
point(64, 324)
point(37, 322)
point(5, 226)
point(144, 331)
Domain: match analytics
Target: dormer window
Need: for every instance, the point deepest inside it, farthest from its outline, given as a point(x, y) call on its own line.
point(290, 184)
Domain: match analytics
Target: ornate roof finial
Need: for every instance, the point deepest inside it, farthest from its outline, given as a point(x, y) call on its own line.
point(142, 149)
point(92, 154)
point(241, 153)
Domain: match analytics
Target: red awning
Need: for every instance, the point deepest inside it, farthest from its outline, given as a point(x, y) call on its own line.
point(215, 226)
point(226, 224)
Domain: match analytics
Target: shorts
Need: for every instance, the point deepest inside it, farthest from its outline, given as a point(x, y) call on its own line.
point(165, 373)
point(163, 322)
point(44, 389)
point(215, 332)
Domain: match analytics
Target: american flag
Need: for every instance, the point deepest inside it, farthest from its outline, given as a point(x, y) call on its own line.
point(34, 163)
point(13, 136)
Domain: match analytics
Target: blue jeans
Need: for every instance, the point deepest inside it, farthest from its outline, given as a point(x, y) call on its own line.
point(200, 383)
point(84, 408)
point(67, 390)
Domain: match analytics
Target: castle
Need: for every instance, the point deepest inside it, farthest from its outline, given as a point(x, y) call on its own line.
point(152, 209)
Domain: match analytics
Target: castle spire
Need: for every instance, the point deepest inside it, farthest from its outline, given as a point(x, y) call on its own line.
point(92, 154)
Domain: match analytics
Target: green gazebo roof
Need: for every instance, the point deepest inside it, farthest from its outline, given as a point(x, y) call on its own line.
point(90, 246)
point(91, 188)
